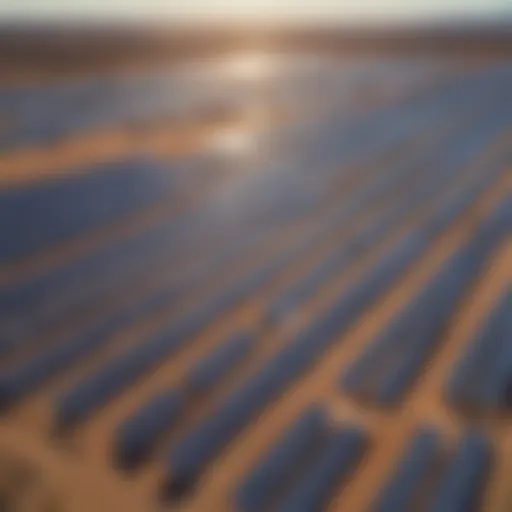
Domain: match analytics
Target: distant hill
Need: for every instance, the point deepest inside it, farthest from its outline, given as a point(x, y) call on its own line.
point(66, 48)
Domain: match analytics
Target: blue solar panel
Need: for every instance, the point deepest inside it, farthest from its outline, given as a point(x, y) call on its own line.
point(462, 482)
point(292, 451)
point(480, 378)
point(335, 462)
point(409, 473)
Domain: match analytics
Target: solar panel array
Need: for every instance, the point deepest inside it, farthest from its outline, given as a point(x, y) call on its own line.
point(322, 327)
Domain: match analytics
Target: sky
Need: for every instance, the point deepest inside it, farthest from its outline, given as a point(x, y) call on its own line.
point(256, 10)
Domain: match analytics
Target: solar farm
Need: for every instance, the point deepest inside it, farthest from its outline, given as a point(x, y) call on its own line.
point(258, 283)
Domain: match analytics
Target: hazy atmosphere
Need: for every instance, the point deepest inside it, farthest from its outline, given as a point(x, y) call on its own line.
point(284, 10)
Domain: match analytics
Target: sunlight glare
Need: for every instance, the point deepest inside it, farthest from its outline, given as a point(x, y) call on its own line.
point(250, 66)
point(234, 143)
